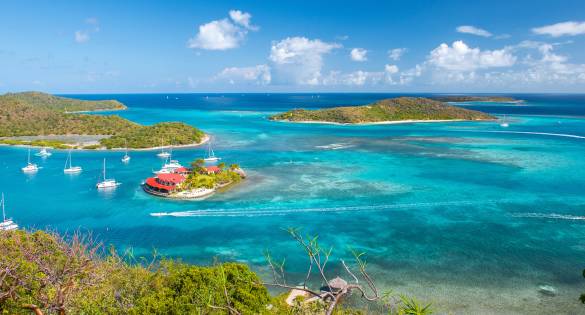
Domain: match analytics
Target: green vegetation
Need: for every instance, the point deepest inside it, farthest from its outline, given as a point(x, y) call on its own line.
point(55, 144)
point(396, 109)
point(200, 178)
point(468, 98)
point(39, 114)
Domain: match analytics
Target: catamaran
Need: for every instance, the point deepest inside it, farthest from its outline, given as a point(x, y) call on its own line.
point(126, 157)
point(70, 169)
point(43, 153)
point(210, 154)
point(163, 153)
point(6, 224)
point(107, 183)
point(30, 167)
point(504, 122)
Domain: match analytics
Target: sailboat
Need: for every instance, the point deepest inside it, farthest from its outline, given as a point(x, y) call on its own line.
point(504, 122)
point(126, 157)
point(163, 153)
point(210, 154)
point(70, 169)
point(6, 224)
point(107, 183)
point(30, 167)
point(43, 153)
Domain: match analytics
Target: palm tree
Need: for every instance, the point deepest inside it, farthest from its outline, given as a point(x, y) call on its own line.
point(221, 166)
point(234, 167)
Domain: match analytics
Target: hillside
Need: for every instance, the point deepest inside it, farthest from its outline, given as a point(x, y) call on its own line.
point(468, 98)
point(388, 110)
point(27, 114)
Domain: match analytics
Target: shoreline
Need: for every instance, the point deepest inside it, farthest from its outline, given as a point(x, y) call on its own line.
point(389, 122)
point(205, 139)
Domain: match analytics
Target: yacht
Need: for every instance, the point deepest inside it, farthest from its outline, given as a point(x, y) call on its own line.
point(30, 167)
point(169, 167)
point(126, 157)
point(107, 183)
point(69, 168)
point(6, 224)
point(210, 154)
point(44, 153)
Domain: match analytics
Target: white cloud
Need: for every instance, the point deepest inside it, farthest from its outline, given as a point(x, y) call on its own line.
point(356, 78)
point(243, 19)
point(358, 54)
point(561, 29)
point(223, 34)
point(469, 29)
point(81, 37)
point(460, 57)
point(391, 69)
point(259, 74)
point(299, 60)
point(396, 53)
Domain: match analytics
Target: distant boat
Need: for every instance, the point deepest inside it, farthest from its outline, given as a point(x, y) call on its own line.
point(126, 157)
point(163, 154)
point(70, 169)
point(44, 153)
point(210, 154)
point(504, 122)
point(6, 224)
point(107, 183)
point(30, 167)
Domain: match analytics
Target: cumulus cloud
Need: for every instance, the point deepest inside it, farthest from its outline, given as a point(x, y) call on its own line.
point(358, 54)
point(299, 60)
point(570, 28)
point(469, 29)
point(460, 57)
point(223, 34)
point(396, 53)
point(259, 74)
point(83, 35)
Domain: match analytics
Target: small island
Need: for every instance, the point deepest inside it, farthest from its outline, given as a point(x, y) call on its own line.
point(197, 182)
point(44, 120)
point(388, 111)
point(471, 98)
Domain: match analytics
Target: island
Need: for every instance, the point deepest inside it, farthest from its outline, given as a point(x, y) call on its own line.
point(44, 120)
point(387, 111)
point(199, 181)
point(472, 98)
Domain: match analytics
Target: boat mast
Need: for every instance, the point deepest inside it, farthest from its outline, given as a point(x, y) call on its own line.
point(104, 169)
point(3, 213)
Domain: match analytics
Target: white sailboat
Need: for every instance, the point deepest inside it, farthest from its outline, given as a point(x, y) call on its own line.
point(6, 224)
point(126, 157)
point(163, 154)
point(504, 123)
point(210, 154)
point(44, 153)
point(30, 167)
point(69, 168)
point(107, 183)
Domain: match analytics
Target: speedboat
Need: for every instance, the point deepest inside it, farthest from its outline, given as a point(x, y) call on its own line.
point(30, 167)
point(44, 153)
point(70, 169)
point(6, 224)
point(107, 183)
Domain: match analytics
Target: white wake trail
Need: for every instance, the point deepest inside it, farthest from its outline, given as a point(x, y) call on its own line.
point(527, 133)
point(554, 216)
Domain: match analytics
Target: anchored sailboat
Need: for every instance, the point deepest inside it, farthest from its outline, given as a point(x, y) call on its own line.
point(44, 153)
point(30, 167)
point(6, 224)
point(126, 157)
point(210, 154)
point(69, 168)
point(504, 122)
point(107, 183)
point(163, 153)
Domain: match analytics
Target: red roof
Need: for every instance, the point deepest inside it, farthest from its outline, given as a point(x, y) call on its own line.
point(172, 177)
point(151, 181)
point(212, 169)
point(182, 170)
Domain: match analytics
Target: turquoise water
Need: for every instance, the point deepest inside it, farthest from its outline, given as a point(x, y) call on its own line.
point(470, 216)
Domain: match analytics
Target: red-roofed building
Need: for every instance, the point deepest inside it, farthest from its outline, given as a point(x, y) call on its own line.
point(212, 169)
point(163, 184)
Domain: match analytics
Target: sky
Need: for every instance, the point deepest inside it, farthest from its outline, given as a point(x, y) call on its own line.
point(292, 46)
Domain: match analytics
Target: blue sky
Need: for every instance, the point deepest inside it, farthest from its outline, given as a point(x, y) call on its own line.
point(292, 46)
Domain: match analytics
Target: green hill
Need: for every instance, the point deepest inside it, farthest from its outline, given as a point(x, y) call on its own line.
point(469, 98)
point(395, 109)
point(39, 114)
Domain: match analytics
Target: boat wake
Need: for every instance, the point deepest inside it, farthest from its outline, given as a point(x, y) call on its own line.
point(255, 212)
point(554, 216)
point(528, 133)
point(335, 146)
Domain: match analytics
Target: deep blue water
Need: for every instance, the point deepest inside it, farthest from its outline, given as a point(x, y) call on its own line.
point(450, 212)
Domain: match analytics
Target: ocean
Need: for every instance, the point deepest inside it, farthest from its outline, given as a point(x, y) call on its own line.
point(470, 216)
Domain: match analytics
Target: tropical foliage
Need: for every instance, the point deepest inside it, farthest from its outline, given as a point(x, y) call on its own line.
point(396, 109)
point(200, 178)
